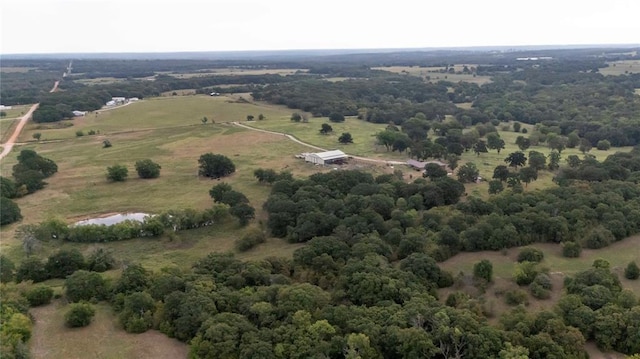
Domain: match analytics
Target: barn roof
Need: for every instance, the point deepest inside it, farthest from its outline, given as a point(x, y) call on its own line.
point(331, 155)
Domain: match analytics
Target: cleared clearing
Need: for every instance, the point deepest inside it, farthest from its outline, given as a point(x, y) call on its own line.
point(235, 71)
point(434, 74)
point(103, 338)
point(624, 67)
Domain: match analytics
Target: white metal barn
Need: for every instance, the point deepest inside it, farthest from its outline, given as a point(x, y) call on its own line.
point(322, 158)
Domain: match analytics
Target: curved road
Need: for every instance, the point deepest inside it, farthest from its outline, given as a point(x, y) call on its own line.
point(375, 160)
point(8, 146)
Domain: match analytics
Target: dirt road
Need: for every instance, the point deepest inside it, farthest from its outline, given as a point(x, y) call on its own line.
point(55, 87)
point(374, 160)
point(8, 146)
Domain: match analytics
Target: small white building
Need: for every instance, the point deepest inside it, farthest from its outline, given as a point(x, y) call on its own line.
point(323, 158)
point(119, 100)
point(3, 107)
point(111, 103)
point(133, 99)
point(79, 113)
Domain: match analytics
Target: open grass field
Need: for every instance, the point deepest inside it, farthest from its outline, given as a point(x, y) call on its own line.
point(234, 71)
point(168, 131)
point(102, 339)
point(107, 80)
point(363, 133)
point(432, 74)
point(617, 68)
point(16, 69)
point(16, 111)
point(158, 112)
point(7, 126)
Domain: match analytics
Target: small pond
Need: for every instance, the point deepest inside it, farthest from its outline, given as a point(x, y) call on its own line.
point(113, 219)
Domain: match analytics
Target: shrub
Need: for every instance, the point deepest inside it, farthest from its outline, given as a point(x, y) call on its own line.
point(525, 273)
point(250, 240)
point(571, 249)
point(64, 263)
point(148, 169)
point(483, 270)
point(117, 173)
point(79, 315)
point(91, 132)
point(31, 268)
point(83, 285)
point(9, 211)
point(39, 295)
point(632, 271)
point(516, 297)
point(530, 255)
point(79, 133)
point(106, 144)
point(541, 286)
point(336, 117)
point(100, 260)
point(599, 237)
point(603, 145)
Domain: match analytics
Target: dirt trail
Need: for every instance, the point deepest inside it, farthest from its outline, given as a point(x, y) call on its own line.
point(55, 87)
point(8, 146)
point(292, 138)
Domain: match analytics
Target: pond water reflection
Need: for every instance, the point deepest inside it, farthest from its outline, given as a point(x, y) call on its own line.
point(113, 219)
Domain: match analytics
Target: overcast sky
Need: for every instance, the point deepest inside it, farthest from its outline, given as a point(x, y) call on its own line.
point(59, 26)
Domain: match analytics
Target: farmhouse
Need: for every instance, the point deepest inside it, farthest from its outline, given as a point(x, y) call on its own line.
point(323, 158)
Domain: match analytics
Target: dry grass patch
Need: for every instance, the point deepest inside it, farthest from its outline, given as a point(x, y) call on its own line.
point(103, 338)
point(623, 67)
point(433, 74)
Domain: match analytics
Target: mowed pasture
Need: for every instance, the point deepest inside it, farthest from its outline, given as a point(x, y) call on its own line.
point(157, 129)
point(156, 113)
point(433, 74)
point(363, 133)
point(103, 338)
point(233, 71)
point(617, 68)
point(7, 126)
point(16, 111)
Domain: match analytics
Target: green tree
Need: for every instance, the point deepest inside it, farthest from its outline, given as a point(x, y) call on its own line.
point(468, 173)
point(554, 160)
point(37, 136)
point(585, 146)
point(265, 175)
point(528, 174)
point(326, 128)
point(250, 117)
point(79, 315)
point(523, 143)
point(558, 143)
point(516, 127)
point(215, 165)
point(480, 147)
point(516, 159)
point(571, 249)
point(296, 117)
point(106, 144)
point(84, 285)
point(494, 142)
point(603, 145)
point(64, 262)
point(7, 269)
point(483, 270)
point(434, 171)
point(244, 212)
point(8, 188)
point(100, 260)
point(147, 169)
point(336, 117)
point(501, 173)
point(39, 295)
point(9, 211)
point(632, 271)
point(137, 313)
point(31, 268)
point(495, 186)
point(261, 117)
point(345, 138)
point(117, 173)
point(204, 120)
point(537, 160)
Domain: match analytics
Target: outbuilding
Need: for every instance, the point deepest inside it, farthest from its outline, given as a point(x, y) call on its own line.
point(323, 158)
